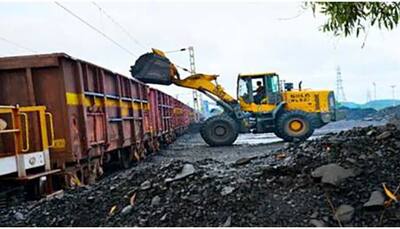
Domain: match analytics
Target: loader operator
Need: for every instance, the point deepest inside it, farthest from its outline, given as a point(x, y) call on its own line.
point(260, 93)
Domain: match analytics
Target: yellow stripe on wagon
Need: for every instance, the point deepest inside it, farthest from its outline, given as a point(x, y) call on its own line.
point(74, 99)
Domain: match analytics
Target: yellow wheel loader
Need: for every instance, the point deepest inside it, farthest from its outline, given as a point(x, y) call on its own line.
point(263, 104)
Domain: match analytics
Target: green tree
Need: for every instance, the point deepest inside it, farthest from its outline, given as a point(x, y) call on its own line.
point(348, 18)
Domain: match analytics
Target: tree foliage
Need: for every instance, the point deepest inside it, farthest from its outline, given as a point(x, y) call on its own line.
point(347, 18)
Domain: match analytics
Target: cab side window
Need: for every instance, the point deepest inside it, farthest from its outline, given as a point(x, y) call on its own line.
point(273, 84)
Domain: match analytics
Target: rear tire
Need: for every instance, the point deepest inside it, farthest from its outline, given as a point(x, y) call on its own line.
point(294, 125)
point(220, 130)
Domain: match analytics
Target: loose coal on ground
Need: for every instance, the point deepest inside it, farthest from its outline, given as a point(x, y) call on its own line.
point(330, 181)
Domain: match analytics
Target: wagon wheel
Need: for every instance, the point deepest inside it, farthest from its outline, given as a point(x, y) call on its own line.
point(156, 144)
point(126, 158)
point(150, 148)
point(142, 151)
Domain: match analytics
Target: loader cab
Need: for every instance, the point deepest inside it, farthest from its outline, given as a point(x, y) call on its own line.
point(258, 92)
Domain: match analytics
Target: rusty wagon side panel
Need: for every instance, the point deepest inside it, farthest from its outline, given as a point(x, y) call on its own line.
point(106, 111)
point(36, 80)
point(161, 112)
point(95, 110)
point(182, 116)
point(98, 115)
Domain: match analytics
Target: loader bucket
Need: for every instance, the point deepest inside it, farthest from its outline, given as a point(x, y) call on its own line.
point(153, 68)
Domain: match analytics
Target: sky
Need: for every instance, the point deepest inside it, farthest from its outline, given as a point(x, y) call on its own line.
point(228, 38)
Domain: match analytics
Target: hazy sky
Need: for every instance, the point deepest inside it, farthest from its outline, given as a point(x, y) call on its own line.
point(229, 38)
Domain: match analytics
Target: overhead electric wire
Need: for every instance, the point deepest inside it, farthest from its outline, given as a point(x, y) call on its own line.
point(95, 29)
point(17, 45)
point(293, 17)
point(301, 11)
point(178, 50)
point(184, 69)
point(120, 26)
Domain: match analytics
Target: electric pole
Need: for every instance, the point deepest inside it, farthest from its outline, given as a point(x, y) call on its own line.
point(197, 100)
point(368, 95)
point(341, 97)
point(393, 94)
point(374, 90)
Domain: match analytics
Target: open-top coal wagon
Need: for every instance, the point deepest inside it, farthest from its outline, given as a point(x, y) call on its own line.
point(67, 117)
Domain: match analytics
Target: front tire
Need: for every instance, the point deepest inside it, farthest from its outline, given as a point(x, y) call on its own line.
point(294, 125)
point(220, 130)
point(277, 134)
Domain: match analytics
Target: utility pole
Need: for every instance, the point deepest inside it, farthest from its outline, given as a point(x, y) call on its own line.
point(341, 97)
point(197, 99)
point(368, 95)
point(393, 94)
point(373, 83)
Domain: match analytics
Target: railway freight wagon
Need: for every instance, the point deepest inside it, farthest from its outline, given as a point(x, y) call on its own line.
point(90, 116)
point(162, 114)
point(183, 115)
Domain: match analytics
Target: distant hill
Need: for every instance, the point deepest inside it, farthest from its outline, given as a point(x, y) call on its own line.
point(381, 104)
point(349, 105)
point(375, 104)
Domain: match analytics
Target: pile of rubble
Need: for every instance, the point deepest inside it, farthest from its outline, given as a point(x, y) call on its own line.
point(336, 180)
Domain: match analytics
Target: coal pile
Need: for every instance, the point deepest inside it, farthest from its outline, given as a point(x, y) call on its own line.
point(335, 180)
point(370, 158)
point(357, 113)
point(386, 114)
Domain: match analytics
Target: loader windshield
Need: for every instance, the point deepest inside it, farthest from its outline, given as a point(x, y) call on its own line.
point(243, 90)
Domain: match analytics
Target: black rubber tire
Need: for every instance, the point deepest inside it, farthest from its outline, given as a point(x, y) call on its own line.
point(220, 130)
point(277, 134)
point(318, 123)
point(283, 130)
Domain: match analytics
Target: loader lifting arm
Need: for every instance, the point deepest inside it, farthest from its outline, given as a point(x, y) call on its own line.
point(204, 83)
point(156, 68)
